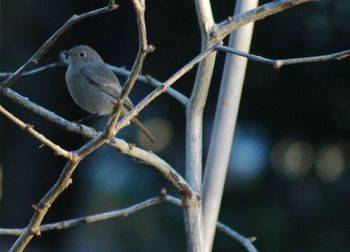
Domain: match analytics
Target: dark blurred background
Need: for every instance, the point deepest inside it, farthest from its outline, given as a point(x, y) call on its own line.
point(288, 181)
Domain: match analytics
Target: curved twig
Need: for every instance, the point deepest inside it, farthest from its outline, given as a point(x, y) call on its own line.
point(278, 63)
point(49, 43)
point(223, 29)
point(30, 129)
point(117, 70)
point(125, 212)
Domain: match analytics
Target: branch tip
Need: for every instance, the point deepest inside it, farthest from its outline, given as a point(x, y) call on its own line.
point(252, 239)
point(35, 207)
point(343, 56)
point(112, 6)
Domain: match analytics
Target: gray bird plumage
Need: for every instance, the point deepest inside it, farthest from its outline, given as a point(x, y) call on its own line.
point(93, 86)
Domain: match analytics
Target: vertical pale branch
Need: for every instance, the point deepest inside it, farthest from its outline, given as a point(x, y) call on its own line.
point(224, 124)
point(195, 106)
point(194, 128)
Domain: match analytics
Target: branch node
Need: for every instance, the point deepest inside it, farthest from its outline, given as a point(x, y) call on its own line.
point(186, 193)
point(148, 78)
point(45, 205)
point(28, 126)
point(70, 181)
point(36, 231)
point(115, 102)
point(35, 207)
point(74, 157)
point(164, 88)
point(163, 192)
point(278, 64)
point(214, 32)
point(112, 6)
point(150, 49)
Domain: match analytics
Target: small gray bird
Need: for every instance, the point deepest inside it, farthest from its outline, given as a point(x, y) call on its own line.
point(93, 85)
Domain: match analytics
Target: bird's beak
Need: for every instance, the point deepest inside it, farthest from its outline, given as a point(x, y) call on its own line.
point(66, 52)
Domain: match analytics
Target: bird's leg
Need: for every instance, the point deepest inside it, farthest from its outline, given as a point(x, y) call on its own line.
point(95, 118)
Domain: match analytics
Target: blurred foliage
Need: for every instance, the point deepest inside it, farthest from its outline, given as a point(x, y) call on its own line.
point(288, 180)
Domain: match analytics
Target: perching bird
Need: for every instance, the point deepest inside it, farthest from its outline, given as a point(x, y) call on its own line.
point(93, 85)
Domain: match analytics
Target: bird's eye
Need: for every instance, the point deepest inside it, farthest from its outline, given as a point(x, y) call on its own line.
point(82, 54)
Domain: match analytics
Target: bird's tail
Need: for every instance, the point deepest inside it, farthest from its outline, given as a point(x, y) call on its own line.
point(144, 130)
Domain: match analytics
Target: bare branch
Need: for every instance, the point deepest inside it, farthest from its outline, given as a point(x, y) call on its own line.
point(246, 242)
point(100, 139)
point(91, 218)
point(144, 49)
point(278, 63)
point(49, 43)
point(224, 28)
point(224, 125)
point(33, 228)
point(65, 178)
point(125, 212)
point(118, 70)
point(149, 80)
point(152, 96)
point(30, 129)
point(144, 156)
point(36, 70)
point(194, 129)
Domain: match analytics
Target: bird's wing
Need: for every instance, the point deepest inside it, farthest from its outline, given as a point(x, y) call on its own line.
point(103, 78)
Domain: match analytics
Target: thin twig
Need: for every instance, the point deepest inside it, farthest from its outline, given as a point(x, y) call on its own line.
point(33, 228)
point(35, 70)
point(278, 63)
point(152, 81)
point(220, 31)
point(64, 179)
point(144, 156)
point(49, 43)
point(30, 129)
point(246, 242)
point(143, 50)
point(149, 98)
point(118, 70)
point(91, 218)
point(125, 212)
